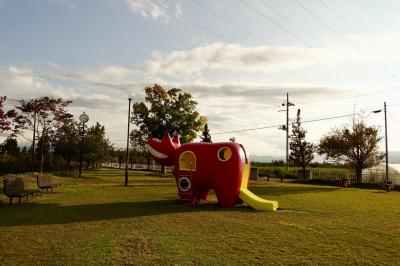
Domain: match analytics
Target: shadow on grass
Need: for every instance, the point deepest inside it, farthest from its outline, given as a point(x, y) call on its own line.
point(48, 214)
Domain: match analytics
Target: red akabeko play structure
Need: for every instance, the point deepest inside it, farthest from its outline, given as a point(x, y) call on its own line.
point(199, 167)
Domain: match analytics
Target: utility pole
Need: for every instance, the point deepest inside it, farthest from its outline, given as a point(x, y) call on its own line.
point(386, 147)
point(286, 128)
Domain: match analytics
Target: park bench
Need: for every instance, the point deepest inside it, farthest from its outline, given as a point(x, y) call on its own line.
point(17, 187)
point(46, 182)
point(345, 182)
point(388, 186)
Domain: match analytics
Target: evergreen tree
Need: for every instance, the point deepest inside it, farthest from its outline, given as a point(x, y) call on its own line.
point(301, 151)
point(205, 135)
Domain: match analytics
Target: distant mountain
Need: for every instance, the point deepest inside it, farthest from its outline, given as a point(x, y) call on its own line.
point(265, 158)
point(394, 157)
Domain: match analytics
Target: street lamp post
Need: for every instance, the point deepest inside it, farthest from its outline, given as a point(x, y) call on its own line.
point(130, 97)
point(84, 118)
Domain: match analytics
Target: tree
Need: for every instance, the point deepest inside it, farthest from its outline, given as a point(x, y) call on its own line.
point(11, 146)
point(205, 135)
point(66, 144)
point(165, 111)
point(47, 112)
point(301, 151)
point(95, 145)
point(6, 118)
point(172, 111)
point(356, 146)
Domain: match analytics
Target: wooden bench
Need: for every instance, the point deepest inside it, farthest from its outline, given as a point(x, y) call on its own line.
point(388, 186)
point(345, 182)
point(46, 182)
point(17, 188)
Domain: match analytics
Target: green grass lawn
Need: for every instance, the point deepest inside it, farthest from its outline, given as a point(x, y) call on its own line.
point(98, 221)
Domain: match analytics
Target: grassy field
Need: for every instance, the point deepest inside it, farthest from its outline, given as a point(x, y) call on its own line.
point(97, 221)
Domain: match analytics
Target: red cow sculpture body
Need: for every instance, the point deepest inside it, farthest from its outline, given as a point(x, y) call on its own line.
point(199, 167)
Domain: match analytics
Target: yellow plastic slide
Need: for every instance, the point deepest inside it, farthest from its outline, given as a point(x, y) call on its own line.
point(251, 199)
point(256, 202)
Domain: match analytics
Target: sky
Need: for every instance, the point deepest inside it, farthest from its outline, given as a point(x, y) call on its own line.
point(238, 59)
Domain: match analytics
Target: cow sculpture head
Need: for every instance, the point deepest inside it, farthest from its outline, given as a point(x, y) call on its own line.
point(163, 151)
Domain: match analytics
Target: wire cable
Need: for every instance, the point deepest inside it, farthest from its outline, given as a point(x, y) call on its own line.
point(304, 31)
point(275, 126)
point(204, 28)
point(332, 29)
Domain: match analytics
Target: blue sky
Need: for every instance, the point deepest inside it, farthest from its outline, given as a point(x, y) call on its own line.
point(238, 58)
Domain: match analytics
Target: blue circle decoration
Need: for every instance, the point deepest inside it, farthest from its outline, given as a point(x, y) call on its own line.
point(184, 184)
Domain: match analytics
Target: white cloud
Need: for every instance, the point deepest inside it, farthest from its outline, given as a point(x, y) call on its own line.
point(234, 57)
point(154, 10)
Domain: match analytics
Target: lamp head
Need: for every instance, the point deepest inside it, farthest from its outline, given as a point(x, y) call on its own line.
point(130, 93)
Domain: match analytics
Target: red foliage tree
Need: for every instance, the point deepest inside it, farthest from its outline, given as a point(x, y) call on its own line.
point(6, 118)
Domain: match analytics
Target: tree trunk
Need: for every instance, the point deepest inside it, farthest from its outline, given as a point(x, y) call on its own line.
point(359, 174)
point(66, 167)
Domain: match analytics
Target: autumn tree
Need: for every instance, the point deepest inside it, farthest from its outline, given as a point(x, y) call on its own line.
point(172, 111)
point(6, 117)
point(205, 135)
point(165, 111)
point(301, 151)
point(357, 146)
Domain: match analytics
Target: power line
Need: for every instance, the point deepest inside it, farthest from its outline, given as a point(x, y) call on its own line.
point(278, 25)
point(202, 27)
point(332, 29)
point(348, 24)
point(255, 36)
point(228, 21)
point(277, 126)
point(171, 12)
point(242, 29)
point(304, 30)
point(391, 90)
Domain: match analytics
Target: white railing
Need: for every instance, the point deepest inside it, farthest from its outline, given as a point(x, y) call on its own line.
point(136, 166)
point(368, 176)
point(331, 176)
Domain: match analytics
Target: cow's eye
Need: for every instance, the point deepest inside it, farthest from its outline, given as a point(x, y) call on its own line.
point(224, 154)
